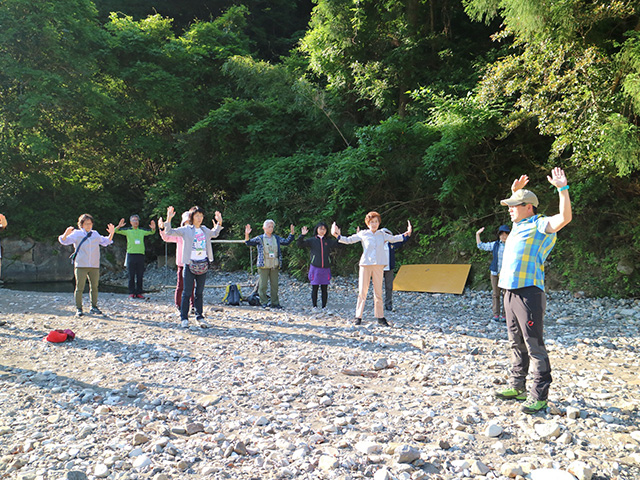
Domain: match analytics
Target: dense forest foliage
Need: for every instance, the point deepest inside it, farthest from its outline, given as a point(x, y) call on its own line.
point(305, 111)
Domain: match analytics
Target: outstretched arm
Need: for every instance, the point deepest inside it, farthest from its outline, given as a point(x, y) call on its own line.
point(559, 180)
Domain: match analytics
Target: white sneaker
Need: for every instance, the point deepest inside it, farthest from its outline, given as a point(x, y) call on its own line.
point(202, 324)
point(185, 324)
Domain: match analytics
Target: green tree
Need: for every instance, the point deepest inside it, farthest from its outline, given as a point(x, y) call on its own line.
point(377, 51)
point(48, 102)
point(574, 68)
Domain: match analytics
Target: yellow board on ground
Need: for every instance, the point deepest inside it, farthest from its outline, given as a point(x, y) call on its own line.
point(432, 278)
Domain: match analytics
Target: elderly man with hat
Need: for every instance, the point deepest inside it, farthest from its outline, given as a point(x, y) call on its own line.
point(531, 240)
point(497, 248)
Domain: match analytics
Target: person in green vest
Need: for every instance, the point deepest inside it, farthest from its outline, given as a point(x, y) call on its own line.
point(135, 252)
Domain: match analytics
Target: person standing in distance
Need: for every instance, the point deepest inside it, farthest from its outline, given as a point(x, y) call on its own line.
point(3, 225)
point(86, 258)
point(135, 252)
point(531, 240)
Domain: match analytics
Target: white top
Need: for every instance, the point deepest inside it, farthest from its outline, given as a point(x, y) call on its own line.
point(373, 251)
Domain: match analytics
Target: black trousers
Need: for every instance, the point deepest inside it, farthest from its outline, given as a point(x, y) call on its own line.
point(524, 308)
point(135, 266)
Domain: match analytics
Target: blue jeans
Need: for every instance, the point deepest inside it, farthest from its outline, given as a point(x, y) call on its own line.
point(189, 280)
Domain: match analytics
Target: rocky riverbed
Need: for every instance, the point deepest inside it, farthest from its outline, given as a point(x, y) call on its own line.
point(301, 393)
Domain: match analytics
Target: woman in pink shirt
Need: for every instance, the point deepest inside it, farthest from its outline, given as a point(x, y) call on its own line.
point(179, 263)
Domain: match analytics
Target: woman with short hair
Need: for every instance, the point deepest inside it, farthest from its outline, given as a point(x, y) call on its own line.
point(86, 258)
point(372, 262)
point(197, 253)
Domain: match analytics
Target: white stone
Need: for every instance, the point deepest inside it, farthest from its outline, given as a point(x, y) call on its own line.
point(461, 464)
point(328, 462)
point(368, 448)
point(499, 448)
point(511, 470)
point(550, 474)
point(547, 430)
point(406, 454)
point(580, 470)
point(573, 413)
point(493, 430)
point(382, 474)
point(478, 468)
point(101, 470)
point(141, 461)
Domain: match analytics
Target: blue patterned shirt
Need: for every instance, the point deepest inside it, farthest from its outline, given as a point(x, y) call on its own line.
point(525, 251)
point(489, 247)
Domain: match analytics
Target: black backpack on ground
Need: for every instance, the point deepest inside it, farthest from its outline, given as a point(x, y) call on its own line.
point(232, 295)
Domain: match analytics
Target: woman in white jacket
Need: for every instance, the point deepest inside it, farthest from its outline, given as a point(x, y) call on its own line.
point(372, 262)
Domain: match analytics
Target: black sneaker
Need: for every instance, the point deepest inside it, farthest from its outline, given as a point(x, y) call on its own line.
point(357, 321)
point(383, 321)
point(79, 312)
point(95, 311)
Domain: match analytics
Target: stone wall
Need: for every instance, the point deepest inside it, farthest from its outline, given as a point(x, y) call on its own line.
point(25, 260)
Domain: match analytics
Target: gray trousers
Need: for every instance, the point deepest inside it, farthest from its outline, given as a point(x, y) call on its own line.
point(496, 293)
point(524, 308)
point(388, 289)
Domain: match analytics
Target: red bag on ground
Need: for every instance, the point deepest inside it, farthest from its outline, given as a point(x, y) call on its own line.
point(57, 336)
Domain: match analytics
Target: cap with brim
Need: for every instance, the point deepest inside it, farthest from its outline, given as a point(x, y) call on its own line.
point(520, 197)
point(504, 228)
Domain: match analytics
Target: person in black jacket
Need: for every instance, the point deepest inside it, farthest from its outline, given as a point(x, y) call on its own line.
point(319, 270)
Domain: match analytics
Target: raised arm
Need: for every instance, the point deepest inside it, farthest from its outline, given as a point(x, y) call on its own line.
point(559, 180)
point(478, 241)
point(111, 229)
point(519, 183)
point(167, 224)
point(63, 238)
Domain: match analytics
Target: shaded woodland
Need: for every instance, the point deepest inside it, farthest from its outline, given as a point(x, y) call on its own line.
point(305, 111)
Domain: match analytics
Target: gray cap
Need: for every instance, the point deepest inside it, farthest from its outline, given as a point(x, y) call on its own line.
point(519, 197)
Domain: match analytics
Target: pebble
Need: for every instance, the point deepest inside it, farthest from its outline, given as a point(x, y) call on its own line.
point(297, 393)
point(327, 462)
point(547, 430)
point(406, 454)
point(493, 430)
point(550, 474)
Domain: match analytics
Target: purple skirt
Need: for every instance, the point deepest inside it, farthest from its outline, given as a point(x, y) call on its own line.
point(319, 276)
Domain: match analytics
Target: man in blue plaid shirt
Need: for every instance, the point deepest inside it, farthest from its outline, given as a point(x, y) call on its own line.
point(522, 277)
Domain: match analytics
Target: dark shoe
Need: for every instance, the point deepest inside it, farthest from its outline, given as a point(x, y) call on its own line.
point(383, 321)
point(79, 312)
point(139, 295)
point(277, 307)
point(532, 406)
point(95, 311)
point(388, 308)
point(357, 321)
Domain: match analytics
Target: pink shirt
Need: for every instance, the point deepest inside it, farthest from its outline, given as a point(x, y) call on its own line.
point(178, 241)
